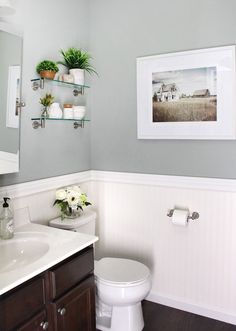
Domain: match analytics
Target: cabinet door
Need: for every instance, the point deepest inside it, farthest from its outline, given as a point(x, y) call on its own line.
point(22, 303)
point(69, 273)
point(37, 323)
point(75, 311)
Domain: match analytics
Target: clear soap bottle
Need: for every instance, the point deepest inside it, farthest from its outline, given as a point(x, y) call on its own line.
point(6, 221)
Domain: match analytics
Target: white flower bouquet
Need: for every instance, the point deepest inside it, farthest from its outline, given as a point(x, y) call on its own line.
point(71, 201)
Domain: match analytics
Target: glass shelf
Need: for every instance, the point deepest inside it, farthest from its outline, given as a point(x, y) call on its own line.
point(39, 83)
point(59, 82)
point(59, 119)
point(39, 122)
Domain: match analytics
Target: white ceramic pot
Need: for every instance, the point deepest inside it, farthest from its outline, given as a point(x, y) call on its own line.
point(68, 78)
point(55, 110)
point(79, 112)
point(68, 113)
point(78, 75)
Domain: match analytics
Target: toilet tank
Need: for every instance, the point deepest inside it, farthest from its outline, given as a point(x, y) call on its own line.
point(85, 223)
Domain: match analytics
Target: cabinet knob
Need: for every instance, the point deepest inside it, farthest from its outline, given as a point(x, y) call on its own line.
point(61, 311)
point(44, 325)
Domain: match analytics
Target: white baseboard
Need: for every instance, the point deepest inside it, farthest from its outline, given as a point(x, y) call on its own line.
point(192, 308)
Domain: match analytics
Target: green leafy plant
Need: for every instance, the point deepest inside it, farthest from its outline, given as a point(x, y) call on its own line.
point(47, 65)
point(47, 100)
point(75, 58)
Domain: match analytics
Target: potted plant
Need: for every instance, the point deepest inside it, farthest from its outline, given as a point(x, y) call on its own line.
point(77, 61)
point(71, 201)
point(47, 69)
point(46, 101)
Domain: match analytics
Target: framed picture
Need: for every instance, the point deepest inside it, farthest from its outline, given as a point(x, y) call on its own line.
point(13, 97)
point(187, 95)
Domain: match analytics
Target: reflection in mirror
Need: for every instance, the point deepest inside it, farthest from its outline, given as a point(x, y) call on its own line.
point(10, 71)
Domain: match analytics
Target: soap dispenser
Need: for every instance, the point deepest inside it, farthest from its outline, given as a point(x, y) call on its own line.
point(6, 221)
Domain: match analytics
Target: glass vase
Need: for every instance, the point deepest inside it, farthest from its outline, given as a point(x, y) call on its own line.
point(45, 112)
point(71, 213)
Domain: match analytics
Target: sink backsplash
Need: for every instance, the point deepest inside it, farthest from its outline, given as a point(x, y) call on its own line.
point(21, 217)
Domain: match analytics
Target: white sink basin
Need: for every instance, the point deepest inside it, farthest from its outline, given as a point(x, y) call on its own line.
point(22, 250)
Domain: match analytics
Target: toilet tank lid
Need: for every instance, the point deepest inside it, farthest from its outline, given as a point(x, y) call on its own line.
point(116, 270)
point(70, 224)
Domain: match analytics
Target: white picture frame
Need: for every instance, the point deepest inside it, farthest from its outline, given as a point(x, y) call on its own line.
point(13, 97)
point(160, 117)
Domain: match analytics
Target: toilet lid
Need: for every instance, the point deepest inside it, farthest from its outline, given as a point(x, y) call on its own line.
point(115, 270)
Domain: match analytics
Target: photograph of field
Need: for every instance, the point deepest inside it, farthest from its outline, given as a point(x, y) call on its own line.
point(185, 95)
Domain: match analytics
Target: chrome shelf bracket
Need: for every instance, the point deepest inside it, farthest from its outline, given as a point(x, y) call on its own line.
point(79, 125)
point(76, 91)
point(39, 124)
point(38, 84)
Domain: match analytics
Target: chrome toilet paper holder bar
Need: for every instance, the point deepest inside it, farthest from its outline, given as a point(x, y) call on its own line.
point(195, 215)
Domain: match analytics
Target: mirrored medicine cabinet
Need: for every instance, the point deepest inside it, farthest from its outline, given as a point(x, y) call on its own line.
point(10, 97)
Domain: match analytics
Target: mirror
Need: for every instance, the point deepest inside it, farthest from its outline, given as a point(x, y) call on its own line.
point(10, 102)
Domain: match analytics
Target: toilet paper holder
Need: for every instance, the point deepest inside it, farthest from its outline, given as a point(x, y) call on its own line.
point(195, 215)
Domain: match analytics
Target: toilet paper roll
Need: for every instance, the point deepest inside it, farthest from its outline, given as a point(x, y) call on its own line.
point(180, 217)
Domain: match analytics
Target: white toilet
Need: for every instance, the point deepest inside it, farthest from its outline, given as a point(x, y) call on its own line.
point(121, 284)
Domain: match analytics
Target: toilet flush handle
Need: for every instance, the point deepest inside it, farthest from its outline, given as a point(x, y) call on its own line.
point(61, 311)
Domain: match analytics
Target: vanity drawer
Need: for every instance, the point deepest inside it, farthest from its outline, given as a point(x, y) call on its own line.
point(68, 274)
point(22, 303)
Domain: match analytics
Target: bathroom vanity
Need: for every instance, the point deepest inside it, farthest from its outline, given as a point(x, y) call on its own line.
point(59, 298)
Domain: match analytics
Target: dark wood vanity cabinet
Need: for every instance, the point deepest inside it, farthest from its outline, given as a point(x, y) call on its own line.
point(75, 310)
point(60, 299)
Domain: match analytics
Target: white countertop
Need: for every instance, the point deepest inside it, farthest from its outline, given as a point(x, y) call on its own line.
point(62, 244)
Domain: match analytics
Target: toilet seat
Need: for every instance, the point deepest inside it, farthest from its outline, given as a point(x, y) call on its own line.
point(120, 272)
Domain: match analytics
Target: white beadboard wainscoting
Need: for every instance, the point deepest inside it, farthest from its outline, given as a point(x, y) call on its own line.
point(193, 268)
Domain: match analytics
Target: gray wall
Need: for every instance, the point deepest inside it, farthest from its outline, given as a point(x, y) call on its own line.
point(59, 149)
point(11, 47)
point(120, 32)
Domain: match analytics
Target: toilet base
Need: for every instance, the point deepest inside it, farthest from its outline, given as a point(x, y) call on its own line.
point(126, 318)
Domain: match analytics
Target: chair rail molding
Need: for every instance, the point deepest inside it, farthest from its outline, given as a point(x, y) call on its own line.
point(198, 183)
point(42, 185)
